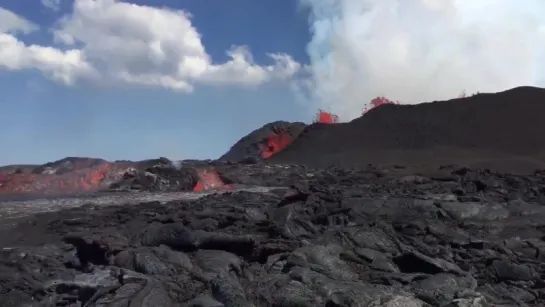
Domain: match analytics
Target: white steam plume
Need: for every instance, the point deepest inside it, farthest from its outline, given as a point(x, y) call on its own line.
point(177, 164)
point(421, 50)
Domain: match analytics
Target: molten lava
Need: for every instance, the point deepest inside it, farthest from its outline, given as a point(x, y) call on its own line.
point(209, 179)
point(91, 180)
point(62, 180)
point(324, 117)
point(377, 102)
point(275, 143)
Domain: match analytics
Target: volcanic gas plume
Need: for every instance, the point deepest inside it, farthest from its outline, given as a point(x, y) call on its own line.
point(420, 50)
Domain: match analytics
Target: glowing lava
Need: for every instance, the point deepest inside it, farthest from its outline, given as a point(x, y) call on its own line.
point(324, 117)
point(275, 143)
point(86, 176)
point(279, 140)
point(209, 179)
point(377, 102)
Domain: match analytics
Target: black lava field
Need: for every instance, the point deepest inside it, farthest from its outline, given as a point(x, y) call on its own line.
point(436, 204)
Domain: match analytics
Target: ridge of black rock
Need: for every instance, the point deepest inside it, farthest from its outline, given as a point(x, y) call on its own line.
point(250, 146)
point(501, 131)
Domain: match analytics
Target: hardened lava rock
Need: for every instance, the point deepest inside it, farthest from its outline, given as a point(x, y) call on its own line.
point(160, 177)
point(336, 237)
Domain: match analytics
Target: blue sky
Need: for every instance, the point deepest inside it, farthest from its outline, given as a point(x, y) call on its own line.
point(43, 118)
point(138, 79)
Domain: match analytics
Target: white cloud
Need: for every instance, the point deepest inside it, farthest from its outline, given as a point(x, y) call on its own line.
point(62, 66)
point(116, 41)
point(53, 5)
point(422, 50)
point(13, 23)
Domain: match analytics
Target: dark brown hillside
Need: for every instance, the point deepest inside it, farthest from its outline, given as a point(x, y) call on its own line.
point(500, 131)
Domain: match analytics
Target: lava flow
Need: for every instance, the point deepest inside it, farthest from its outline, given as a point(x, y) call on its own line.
point(275, 143)
point(68, 176)
point(73, 182)
point(209, 179)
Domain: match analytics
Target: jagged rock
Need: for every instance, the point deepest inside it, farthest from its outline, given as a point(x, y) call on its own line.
point(330, 237)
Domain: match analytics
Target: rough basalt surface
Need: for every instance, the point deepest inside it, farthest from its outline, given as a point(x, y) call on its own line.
point(373, 237)
point(161, 177)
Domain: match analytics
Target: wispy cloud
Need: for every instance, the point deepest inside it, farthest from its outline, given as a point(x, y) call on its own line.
point(53, 5)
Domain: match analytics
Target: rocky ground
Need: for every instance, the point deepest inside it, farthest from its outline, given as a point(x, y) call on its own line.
point(255, 229)
point(373, 237)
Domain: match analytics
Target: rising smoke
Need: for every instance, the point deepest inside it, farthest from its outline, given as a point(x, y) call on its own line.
point(421, 50)
point(177, 164)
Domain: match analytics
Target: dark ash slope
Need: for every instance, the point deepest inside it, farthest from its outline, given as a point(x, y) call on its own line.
point(501, 131)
